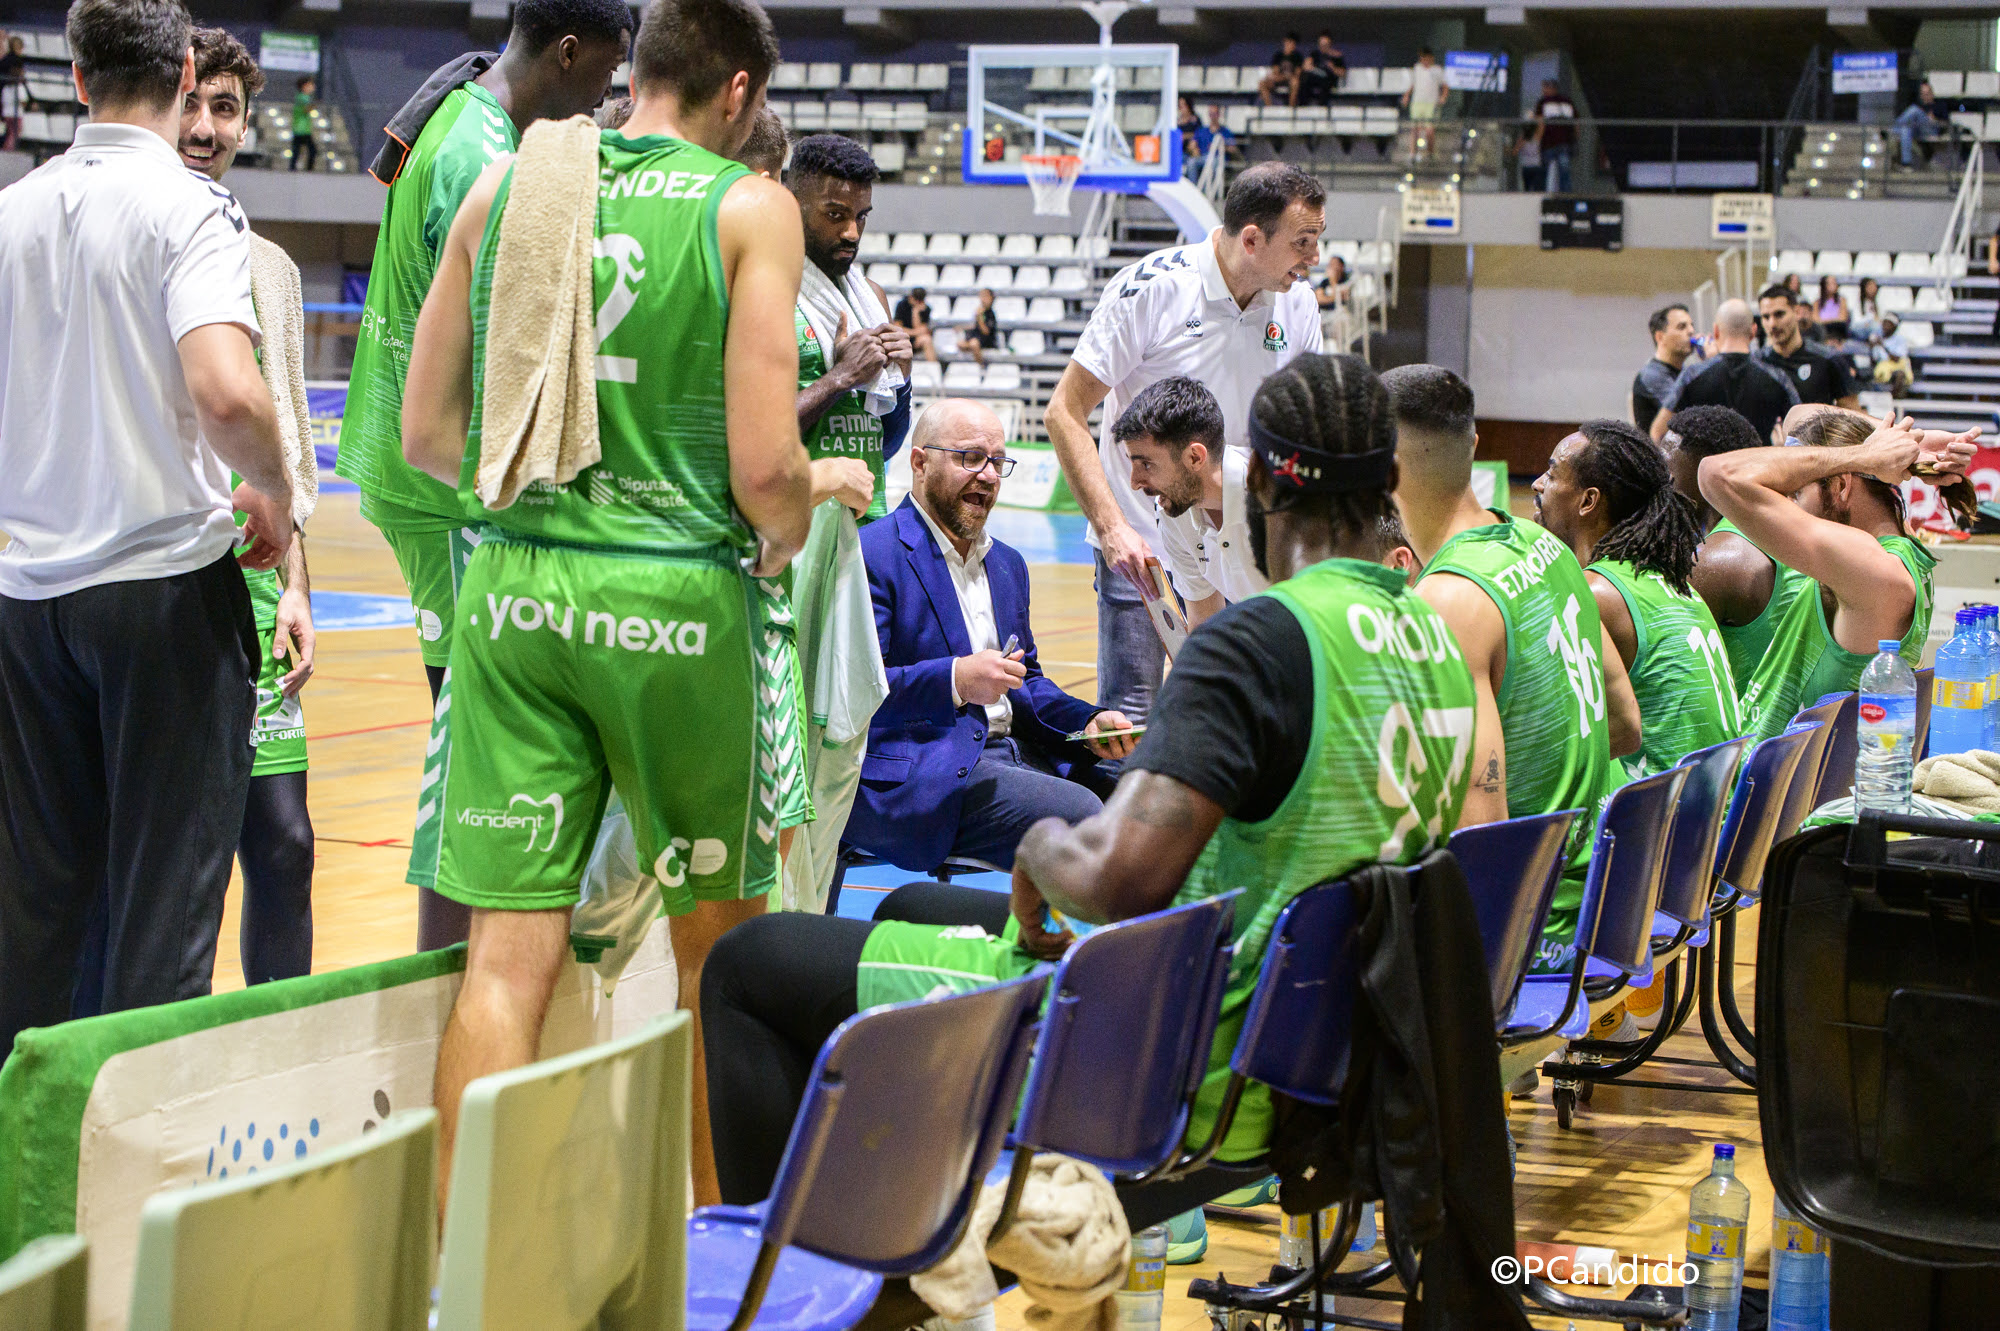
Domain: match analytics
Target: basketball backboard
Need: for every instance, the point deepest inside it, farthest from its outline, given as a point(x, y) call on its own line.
point(1037, 100)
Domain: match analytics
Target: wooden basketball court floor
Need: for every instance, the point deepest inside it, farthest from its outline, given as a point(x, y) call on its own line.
point(1618, 1178)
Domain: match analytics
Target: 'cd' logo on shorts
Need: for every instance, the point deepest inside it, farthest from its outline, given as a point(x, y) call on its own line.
point(707, 855)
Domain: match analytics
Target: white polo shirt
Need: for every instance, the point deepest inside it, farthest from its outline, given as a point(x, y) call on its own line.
point(1204, 558)
point(1171, 313)
point(109, 255)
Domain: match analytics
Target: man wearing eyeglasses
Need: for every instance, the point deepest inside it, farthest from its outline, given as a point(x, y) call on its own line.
point(974, 744)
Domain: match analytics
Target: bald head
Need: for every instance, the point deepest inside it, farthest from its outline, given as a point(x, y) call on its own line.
point(960, 498)
point(1735, 321)
point(957, 418)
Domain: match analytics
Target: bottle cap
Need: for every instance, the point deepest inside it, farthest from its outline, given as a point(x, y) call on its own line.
point(1967, 615)
point(1724, 1151)
point(1888, 645)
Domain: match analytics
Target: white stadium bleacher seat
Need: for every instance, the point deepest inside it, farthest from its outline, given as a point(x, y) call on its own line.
point(1138, 117)
point(1125, 78)
point(1094, 247)
point(1850, 292)
point(1897, 300)
point(782, 110)
point(1070, 281)
point(1954, 266)
point(920, 275)
point(1833, 263)
point(1792, 261)
point(899, 78)
point(1046, 310)
point(1017, 247)
point(1912, 263)
point(1010, 310)
point(809, 115)
point(1077, 78)
point(886, 274)
point(945, 245)
point(1991, 130)
point(873, 243)
point(912, 116)
point(1394, 80)
point(961, 374)
point(1947, 82)
point(890, 154)
point(1381, 120)
point(878, 115)
point(1058, 246)
point(1046, 78)
point(1221, 78)
point(62, 127)
point(1276, 120)
point(864, 77)
point(824, 77)
point(1973, 122)
point(982, 245)
point(1376, 255)
point(1873, 263)
point(965, 309)
point(1313, 118)
point(998, 276)
point(926, 374)
point(1031, 277)
point(1025, 341)
point(1348, 250)
point(933, 78)
point(1929, 300)
point(1249, 76)
point(1366, 79)
point(1001, 377)
point(1150, 79)
point(1981, 83)
point(908, 245)
point(956, 277)
point(843, 115)
point(1918, 332)
point(35, 127)
point(789, 77)
point(1236, 119)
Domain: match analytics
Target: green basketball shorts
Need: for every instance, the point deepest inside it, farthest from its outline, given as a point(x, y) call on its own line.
point(432, 564)
point(574, 671)
point(279, 732)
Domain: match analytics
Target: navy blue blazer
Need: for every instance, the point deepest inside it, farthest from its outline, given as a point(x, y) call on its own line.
point(921, 749)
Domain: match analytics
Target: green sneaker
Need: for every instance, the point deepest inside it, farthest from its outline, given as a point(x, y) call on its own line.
point(1257, 1194)
point(1187, 1238)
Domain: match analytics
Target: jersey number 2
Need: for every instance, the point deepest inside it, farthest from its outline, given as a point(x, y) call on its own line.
point(618, 302)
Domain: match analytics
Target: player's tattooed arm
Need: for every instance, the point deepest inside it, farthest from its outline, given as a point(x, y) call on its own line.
point(1125, 861)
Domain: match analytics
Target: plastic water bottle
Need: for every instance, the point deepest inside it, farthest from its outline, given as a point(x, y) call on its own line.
point(1989, 625)
point(1801, 1284)
point(1295, 1235)
point(1958, 695)
point(1142, 1300)
point(1888, 732)
point(1718, 1211)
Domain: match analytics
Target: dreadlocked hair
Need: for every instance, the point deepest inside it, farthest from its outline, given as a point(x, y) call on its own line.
point(1652, 525)
point(1335, 404)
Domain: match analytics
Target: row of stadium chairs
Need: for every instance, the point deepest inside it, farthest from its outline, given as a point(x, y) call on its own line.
point(792, 76)
point(1964, 83)
point(1010, 311)
point(1984, 127)
point(1901, 300)
point(979, 245)
point(1376, 120)
point(47, 127)
point(966, 376)
point(1359, 255)
point(42, 45)
point(1361, 82)
point(1877, 264)
point(951, 278)
point(810, 116)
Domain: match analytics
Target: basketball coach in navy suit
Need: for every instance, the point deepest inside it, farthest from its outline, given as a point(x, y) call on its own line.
point(970, 750)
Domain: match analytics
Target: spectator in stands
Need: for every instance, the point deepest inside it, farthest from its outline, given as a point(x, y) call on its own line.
point(13, 90)
point(1333, 287)
point(1866, 319)
point(304, 148)
point(1216, 134)
point(1922, 121)
point(1731, 377)
point(970, 749)
point(1819, 375)
point(913, 313)
point(1830, 310)
point(1281, 79)
point(983, 335)
point(1889, 351)
point(1315, 84)
point(1188, 121)
point(1529, 151)
point(1555, 131)
point(127, 637)
point(1288, 55)
point(1797, 286)
point(1422, 100)
point(1672, 328)
point(1331, 58)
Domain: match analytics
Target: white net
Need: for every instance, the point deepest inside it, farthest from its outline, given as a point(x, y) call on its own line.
point(1051, 179)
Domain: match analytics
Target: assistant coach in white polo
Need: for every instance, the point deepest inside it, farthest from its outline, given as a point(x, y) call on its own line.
point(1225, 311)
point(128, 392)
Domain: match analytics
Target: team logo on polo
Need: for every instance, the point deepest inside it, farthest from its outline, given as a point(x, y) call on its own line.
point(1274, 336)
point(522, 811)
point(1805, 371)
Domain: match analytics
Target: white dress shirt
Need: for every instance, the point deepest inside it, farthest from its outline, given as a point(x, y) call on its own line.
point(109, 255)
point(1171, 313)
point(975, 603)
point(1205, 558)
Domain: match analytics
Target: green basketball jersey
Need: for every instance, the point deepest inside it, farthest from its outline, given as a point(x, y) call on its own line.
point(662, 313)
point(466, 133)
point(1804, 663)
point(1744, 644)
point(1680, 676)
point(1384, 779)
point(1552, 698)
point(847, 429)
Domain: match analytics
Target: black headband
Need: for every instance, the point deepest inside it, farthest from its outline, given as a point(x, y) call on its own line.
point(1312, 469)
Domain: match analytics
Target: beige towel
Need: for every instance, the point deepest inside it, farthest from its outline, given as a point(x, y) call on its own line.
point(1970, 780)
point(540, 393)
point(280, 304)
point(1069, 1244)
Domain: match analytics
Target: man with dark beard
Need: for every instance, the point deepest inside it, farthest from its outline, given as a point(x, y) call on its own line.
point(974, 744)
point(1173, 432)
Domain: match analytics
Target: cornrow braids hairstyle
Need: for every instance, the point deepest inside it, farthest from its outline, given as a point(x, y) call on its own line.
point(1652, 525)
point(1338, 405)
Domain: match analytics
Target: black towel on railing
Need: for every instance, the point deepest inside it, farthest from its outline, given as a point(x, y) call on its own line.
point(1421, 1123)
point(403, 127)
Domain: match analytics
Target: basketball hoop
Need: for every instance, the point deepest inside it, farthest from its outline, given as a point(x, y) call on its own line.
point(1051, 178)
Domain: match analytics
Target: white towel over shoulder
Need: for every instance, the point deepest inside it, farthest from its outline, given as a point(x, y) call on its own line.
point(823, 302)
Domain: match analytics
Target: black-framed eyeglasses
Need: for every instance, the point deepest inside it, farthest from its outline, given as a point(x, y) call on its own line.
point(975, 461)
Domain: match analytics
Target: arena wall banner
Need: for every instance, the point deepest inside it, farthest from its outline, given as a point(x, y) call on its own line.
point(104, 1112)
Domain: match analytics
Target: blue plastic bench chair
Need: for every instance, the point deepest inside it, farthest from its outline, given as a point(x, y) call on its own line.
point(903, 1115)
point(1512, 869)
point(1836, 770)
